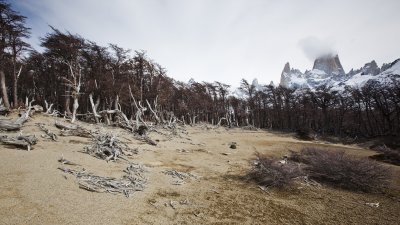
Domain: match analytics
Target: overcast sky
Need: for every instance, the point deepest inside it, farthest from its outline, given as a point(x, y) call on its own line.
point(226, 40)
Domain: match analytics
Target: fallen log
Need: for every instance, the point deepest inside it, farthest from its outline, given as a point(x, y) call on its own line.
point(61, 125)
point(62, 160)
point(79, 132)
point(25, 115)
point(21, 141)
point(9, 125)
point(73, 130)
point(108, 147)
point(49, 134)
point(133, 181)
point(149, 141)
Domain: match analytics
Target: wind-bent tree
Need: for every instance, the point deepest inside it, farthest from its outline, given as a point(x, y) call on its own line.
point(13, 31)
point(65, 52)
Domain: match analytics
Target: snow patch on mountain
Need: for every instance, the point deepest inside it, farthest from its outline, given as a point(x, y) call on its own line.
point(328, 71)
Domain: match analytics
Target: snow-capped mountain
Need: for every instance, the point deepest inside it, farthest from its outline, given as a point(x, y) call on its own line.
point(327, 70)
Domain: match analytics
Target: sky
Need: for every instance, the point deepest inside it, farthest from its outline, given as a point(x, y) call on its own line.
point(227, 40)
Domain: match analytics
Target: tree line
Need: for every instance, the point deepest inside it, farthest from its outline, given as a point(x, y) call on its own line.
point(78, 77)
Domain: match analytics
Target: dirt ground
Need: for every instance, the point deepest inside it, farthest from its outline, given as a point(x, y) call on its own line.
point(34, 191)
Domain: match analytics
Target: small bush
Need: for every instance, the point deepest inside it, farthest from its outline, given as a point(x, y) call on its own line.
point(344, 171)
point(142, 130)
point(387, 155)
point(270, 172)
point(304, 134)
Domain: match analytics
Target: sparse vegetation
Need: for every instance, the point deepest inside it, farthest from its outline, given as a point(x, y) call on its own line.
point(304, 134)
point(341, 170)
point(331, 167)
point(270, 172)
point(387, 154)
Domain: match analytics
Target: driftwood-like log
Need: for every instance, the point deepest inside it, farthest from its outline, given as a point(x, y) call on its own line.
point(149, 141)
point(25, 115)
point(108, 147)
point(133, 181)
point(65, 126)
point(79, 132)
point(66, 161)
point(9, 125)
point(37, 108)
point(21, 141)
point(73, 130)
point(49, 109)
point(121, 119)
point(49, 134)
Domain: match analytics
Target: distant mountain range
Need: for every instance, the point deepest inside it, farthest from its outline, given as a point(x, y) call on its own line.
point(328, 70)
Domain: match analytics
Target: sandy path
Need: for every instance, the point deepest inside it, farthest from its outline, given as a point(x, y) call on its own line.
point(34, 191)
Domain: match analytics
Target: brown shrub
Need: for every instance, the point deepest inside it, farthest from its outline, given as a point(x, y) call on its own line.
point(344, 171)
point(268, 171)
point(304, 134)
point(387, 155)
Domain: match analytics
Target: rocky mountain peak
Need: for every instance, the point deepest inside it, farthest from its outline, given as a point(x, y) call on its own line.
point(286, 69)
point(370, 68)
point(328, 71)
point(330, 64)
point(285, 78)
point(288, 75)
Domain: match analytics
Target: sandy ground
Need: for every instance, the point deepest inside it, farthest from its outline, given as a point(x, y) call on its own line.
point(34, 191)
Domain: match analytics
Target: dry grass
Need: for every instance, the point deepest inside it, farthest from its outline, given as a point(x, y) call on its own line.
point(270, 172)
point(344, 171)
point(387, 155)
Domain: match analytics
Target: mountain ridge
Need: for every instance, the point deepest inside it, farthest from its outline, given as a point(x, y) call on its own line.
point(328, 70)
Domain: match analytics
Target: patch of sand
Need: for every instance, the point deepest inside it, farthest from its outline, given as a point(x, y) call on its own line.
point(34, 191)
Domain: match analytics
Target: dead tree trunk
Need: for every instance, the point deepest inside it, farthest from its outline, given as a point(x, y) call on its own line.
point(75, 85)
point(25, 116)
point(247, 113)
point(22, 141)
point(139, 111)
point(67, 103)
point(15, 84)
point(154, 111)
point(4, 89)
point(3, 109)
point(10, 125)
point(94, 109)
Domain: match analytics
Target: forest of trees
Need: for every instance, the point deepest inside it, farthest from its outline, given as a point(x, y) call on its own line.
point(72, 72)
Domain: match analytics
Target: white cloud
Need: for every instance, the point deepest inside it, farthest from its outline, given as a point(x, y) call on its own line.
point(314, 47)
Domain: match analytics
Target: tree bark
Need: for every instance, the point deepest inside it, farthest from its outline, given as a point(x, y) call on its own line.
point(4, 89)
point(67, 103)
